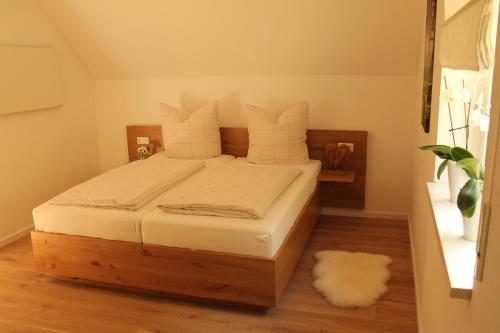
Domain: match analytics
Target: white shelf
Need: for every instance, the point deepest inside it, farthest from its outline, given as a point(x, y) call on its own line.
point(459, 254)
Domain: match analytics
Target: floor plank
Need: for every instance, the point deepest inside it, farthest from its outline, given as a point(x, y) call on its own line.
point(33, 302)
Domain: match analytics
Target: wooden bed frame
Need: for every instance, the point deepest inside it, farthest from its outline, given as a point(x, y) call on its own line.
point(203, 275)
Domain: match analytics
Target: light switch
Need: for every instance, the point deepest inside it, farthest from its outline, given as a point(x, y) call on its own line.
point(143, 140)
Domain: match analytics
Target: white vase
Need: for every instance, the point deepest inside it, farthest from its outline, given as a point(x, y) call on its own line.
point(456, 180)
point(471, 225)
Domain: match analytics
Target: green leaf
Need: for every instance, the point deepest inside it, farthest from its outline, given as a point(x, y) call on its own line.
point(441, 151)
point(468, 197)
point(472, 167)
point(459, 153)
point(469, 212)
point(441, 168)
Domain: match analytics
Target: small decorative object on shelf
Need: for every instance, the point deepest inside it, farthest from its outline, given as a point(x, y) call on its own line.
point(337, 154)
point(143, 152)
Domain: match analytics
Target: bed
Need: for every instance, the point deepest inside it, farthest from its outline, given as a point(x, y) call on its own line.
point(261, 238)
point(253, 275)
point(109, 224)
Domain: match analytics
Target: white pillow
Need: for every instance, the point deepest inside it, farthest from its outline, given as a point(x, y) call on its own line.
point(278, 140)
point(191, 135)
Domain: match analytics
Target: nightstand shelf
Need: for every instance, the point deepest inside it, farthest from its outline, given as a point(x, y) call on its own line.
point(338, 176)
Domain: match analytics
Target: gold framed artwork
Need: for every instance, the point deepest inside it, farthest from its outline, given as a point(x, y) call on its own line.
point(430, 34)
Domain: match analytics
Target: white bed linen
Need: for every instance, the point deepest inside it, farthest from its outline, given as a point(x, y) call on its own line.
point(261, 237)
point(232, 190)
point(129, 186)
point(105, 223)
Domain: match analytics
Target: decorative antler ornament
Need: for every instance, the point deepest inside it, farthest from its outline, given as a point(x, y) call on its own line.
point(337, 155)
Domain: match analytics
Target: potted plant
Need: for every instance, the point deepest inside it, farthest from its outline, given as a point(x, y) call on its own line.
point(451, 156)
point(465, 172)
point(468, 185)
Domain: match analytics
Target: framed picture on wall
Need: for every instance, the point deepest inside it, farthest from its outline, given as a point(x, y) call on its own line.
point(430, 34)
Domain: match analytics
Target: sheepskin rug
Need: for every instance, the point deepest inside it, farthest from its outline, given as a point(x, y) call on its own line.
point(350, 279)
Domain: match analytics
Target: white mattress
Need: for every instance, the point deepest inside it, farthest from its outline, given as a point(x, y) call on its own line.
point(112, 224)
point(261, 237)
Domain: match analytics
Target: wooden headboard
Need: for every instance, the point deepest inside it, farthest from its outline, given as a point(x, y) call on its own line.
point(234, 141)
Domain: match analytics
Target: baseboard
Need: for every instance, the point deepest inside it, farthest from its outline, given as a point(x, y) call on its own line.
point(16, 235)
point(363, 213)
point(415, 279)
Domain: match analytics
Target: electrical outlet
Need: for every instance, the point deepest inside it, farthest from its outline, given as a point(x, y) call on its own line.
point(350, 145)
point(143, 140)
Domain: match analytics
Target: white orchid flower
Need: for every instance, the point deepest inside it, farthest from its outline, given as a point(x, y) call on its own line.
point(465, 95)
point(452, 95)
point(480, 119)
point(457, 95)
point(480, 115)
point(479, 102)
point(483, 108)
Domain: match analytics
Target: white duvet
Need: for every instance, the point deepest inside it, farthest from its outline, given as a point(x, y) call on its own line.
point(232, 190)
point(129, 186)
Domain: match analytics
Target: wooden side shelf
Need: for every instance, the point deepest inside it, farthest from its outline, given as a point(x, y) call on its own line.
point(339, 176)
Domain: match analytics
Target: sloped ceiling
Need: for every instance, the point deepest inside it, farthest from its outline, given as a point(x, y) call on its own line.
point(162, 38)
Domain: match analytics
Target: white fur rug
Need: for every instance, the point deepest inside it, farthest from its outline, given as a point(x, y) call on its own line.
point(349, 279)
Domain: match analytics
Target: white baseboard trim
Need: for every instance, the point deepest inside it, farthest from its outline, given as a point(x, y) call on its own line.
point(415, 279)
point(16, 235)
point(363, 213)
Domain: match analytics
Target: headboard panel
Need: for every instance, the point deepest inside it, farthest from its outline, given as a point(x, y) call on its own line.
point(234, 141)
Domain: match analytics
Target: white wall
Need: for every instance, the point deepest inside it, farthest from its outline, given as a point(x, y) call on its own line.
point(382, 105)
point(438, 312)
point(43, 152)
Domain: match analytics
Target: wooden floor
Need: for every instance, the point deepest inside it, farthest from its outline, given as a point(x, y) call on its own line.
point(31, 302)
